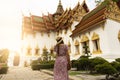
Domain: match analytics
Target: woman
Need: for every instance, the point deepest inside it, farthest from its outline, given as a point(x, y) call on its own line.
point(62, 56)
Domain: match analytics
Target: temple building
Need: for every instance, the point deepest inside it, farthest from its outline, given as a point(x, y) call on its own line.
point(98, 30)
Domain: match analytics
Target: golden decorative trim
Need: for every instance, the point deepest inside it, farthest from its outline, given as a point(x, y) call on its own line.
point(37, 52)
point(97, 51)
point(119, 35)
point(69, 44)
point(76, 43)
point(48, 34)
point(57, 33)
point(37, 47)
point(77, 53)
point(65, 32)
point(29, 47)
point(44, 48)
point(28, 51)
point(95, 36)
point(51, 48)
point(113, 12)
point(41, 33)
point(84, 38)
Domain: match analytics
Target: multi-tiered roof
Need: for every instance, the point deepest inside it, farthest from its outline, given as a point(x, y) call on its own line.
point(53, 22)
point(97, 16)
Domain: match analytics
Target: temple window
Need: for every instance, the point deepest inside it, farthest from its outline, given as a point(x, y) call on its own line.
point(37, 50)
point(85, 48)
point(96, 43)
point(85, 45)
point(28, 51)
point(51, 55)
point(77, 47)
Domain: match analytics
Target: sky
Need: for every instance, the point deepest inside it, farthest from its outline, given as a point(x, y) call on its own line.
point(11, 12)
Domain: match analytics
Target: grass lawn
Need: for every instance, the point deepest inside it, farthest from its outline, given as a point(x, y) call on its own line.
point(74, 72)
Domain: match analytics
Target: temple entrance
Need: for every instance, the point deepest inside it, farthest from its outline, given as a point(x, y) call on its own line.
point(16, 60)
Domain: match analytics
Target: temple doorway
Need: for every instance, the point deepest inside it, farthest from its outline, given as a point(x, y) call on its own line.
point(16, 60)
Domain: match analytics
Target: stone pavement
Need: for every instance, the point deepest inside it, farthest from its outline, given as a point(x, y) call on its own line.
point(26, 73)
point(81, 76)
point(21, 73)
point(71, 77)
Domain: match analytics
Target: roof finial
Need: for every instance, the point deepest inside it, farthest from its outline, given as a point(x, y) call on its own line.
point(59, 2)
point(59, 8)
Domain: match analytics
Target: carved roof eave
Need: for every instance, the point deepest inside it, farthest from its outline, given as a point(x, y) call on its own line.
point(64, 20)
point(28, 31)
point(86, 29)
point(61, 18)
point(94, 17)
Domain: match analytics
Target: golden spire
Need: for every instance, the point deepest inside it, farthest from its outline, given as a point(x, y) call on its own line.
point(59, 2)
point(60, 8)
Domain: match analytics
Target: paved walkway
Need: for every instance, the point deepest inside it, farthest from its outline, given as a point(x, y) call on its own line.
point(26, 73)
point(20, 73)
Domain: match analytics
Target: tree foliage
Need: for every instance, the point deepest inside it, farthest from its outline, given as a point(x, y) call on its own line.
point(4, 53)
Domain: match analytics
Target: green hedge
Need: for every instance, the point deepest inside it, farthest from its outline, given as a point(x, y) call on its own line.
point(42, 66)
point(36, 65)
point(118, 59)
point(83, 64)
point(4, 70)
point(116, 65)
point(105, 69)
point(96, 61)
point(74, 63)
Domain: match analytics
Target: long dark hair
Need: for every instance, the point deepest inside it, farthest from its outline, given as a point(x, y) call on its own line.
point(58, 45)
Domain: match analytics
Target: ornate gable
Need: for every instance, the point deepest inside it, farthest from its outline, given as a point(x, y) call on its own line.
point(113, 11)
point(79, 11)
point(84, 5)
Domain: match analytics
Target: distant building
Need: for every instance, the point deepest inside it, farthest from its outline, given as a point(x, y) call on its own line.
point(98, 29)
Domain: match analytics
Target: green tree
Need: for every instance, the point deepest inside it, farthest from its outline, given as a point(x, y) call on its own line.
point(86, 51)
point(45, 55)
point(4, 53)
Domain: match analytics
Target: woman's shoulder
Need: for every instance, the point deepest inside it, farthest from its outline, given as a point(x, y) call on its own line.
point(63, 45)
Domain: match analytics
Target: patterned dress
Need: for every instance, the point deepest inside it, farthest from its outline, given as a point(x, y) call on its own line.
point(60, 67)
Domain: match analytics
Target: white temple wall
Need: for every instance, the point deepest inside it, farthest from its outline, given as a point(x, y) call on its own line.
point(112, 30)
point(38, 40)
point(108, 40)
